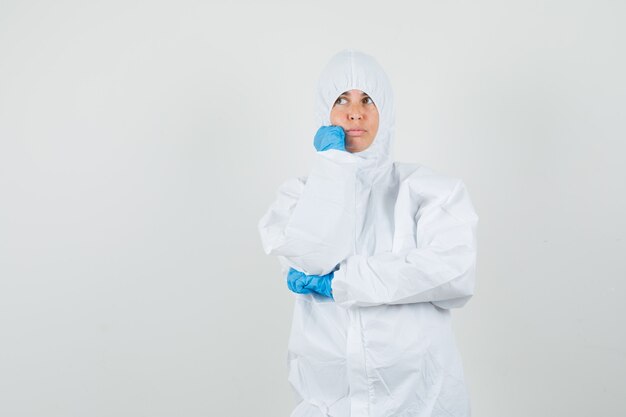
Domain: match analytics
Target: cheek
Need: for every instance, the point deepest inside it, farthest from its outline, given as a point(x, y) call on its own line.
point(374, 120)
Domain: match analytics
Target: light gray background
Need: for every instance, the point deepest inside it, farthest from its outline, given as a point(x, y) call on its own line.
point(140, 143)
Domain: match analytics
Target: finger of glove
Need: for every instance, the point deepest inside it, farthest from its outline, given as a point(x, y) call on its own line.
point(332, 143)
point(290, 285)
point(320, 284)
point(292, 279)
point(294, 274)
point(296, 285)
point(302, 284)
point(329, 137)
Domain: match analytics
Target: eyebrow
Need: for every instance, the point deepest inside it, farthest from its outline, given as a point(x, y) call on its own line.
point(347, 93)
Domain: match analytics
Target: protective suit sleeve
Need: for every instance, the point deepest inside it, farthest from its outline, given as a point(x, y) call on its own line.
point(440, 269)
point(311, 223)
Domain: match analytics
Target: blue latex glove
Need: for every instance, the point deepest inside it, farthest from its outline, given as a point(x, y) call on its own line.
point(301, 283)
point(330, 137)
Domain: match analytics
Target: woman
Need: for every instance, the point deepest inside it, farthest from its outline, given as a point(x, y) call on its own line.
point(377, 253)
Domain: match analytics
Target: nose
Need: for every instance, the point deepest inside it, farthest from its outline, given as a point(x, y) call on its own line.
point(355, 116)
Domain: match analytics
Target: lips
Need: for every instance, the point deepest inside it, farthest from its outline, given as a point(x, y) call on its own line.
point(355, 132)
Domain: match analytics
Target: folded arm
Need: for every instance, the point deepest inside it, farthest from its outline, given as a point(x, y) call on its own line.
point(440, 269)
point(311, 223)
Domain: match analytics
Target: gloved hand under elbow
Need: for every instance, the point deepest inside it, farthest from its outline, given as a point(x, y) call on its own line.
point(330, 137)
point(301, 283)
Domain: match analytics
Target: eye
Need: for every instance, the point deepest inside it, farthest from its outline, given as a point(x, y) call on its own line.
point(338, 101)
point(367, 100)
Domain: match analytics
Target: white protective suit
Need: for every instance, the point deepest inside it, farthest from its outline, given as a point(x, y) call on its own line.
point(405, 241)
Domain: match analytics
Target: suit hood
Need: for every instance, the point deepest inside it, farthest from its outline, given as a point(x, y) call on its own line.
point(352, 69)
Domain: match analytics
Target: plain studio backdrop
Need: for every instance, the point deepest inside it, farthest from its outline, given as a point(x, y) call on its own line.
point(141, 142)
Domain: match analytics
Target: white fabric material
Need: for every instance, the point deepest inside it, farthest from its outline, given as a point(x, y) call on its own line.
point(404, 238)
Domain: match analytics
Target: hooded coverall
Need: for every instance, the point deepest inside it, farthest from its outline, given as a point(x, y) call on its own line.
point(404, 238)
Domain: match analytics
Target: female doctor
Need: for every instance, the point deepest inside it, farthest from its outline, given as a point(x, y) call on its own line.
point(377, 253)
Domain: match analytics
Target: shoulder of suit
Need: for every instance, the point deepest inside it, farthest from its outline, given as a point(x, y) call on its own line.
point(425, 181)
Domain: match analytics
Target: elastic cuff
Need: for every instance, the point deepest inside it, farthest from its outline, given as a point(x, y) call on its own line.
point(339, 286)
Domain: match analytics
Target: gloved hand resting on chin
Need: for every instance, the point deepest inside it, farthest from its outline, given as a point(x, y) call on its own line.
point(330, 137)
point(301, 283)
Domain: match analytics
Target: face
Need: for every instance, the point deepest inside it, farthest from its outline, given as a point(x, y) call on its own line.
point(357, 114)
